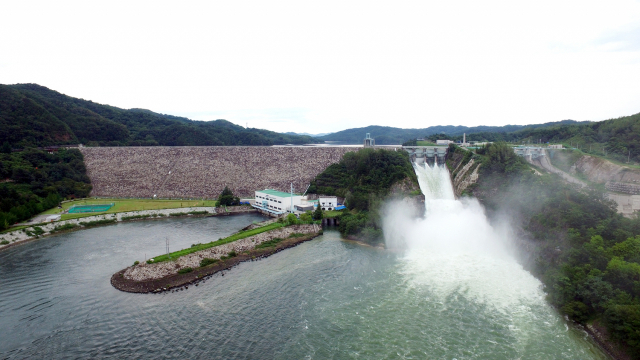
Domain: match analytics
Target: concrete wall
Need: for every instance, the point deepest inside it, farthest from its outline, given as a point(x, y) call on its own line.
point(203, 172)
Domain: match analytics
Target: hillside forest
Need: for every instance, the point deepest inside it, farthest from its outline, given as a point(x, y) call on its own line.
point(35, 116)
point(387, 135)
point(615, 139)
point(585, 253)
point(364, 179)
point(35, 181)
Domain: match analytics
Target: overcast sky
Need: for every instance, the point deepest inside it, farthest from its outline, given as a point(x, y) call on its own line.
point(326, 66)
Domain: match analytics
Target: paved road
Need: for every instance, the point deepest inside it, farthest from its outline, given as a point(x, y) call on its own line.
point(544, 163)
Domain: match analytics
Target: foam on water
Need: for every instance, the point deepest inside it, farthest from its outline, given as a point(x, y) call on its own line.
point(454, 255)
point(454, 249)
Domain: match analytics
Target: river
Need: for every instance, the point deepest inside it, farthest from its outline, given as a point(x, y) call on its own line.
point(326, 298)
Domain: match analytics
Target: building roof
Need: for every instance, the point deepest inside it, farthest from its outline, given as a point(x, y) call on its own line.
point(276, 193)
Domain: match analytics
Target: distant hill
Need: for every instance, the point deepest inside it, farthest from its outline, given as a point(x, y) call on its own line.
point(386, 135)
point(307, 134)
point(33, 115)
point(618, 138)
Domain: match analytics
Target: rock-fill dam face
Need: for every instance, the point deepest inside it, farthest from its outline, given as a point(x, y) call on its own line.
point(203, 172)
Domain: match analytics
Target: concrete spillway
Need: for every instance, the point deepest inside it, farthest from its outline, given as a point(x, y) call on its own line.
point(427, 154)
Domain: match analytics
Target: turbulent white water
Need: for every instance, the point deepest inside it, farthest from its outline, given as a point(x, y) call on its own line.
point(453, 253)
point(455, 249)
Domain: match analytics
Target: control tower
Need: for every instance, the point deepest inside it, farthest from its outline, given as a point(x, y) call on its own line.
point(368, 141)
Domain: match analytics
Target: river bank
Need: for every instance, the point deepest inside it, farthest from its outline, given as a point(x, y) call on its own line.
point(38, 231)
point(600, 336)
point(167, 276)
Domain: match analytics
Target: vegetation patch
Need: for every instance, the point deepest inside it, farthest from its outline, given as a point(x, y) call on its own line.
point(230, 255)
point(364, 179)
point(98, 222)
point(232, 238)
point(64, 227)
point(586, 254)
point(37, 231)
point(207, 261)
point(270, 243)
point(179, 214)
point(185, 270)
point(135, 217)
point(38, 181)
point(4, 242)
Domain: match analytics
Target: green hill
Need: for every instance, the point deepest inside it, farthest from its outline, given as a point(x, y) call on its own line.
point(617, 139)
point(33, 115)
point(386, 135)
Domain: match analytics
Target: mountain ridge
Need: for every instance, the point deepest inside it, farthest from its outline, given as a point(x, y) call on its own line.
point(34, 116)
point(387, 135)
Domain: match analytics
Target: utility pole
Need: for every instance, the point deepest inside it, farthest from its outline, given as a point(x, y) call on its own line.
point(167, 244)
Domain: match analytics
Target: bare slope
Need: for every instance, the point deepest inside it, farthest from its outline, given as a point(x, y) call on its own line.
point(202, 172)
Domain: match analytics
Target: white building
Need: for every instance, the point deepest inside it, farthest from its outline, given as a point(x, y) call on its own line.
point(443, 142)
point(276, 202)
point(52, 218)
point(556, 146)
point(328, 203)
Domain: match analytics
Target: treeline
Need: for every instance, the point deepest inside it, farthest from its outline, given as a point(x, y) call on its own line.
point(618, 139)
point(364, 178)
point(386, 135)
point(587, 255)
point(35, 116)
point(34, 181)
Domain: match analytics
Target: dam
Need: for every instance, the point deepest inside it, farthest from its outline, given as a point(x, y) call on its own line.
point(435, 292)
point(196, 172)
point(203, 171)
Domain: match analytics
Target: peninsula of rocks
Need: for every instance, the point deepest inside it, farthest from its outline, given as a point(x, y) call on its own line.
point(173, 275)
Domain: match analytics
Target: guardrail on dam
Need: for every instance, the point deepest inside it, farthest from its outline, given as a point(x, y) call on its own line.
point(203, 171)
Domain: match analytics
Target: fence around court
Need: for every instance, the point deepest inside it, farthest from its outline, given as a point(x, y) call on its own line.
point(78, 209)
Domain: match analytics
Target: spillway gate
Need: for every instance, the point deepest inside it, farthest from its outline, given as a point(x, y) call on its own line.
point(427, 154)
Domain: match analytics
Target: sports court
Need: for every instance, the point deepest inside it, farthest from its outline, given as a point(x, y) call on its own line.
point(78, 209)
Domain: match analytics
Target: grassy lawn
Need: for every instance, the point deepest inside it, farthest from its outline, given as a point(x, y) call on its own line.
point(332, 213)
point(124, 205)
point(232, 238)
point(425, 143)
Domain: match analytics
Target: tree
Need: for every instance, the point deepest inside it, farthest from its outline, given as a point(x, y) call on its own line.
point(6, 148)
point(292, 219)
point(226, 198)
point(317, 214)
point(306, 217)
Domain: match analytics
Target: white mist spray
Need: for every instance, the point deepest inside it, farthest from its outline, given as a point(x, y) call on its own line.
point(455, 249)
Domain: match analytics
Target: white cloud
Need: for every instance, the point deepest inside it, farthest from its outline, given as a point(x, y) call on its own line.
point(326, 66)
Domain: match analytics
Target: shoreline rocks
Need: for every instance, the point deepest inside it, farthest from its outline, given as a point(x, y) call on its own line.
point(154, 271)
point(22, 236)
point(179, 282)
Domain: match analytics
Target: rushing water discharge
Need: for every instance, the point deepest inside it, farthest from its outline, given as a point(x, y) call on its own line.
point(447, 289)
